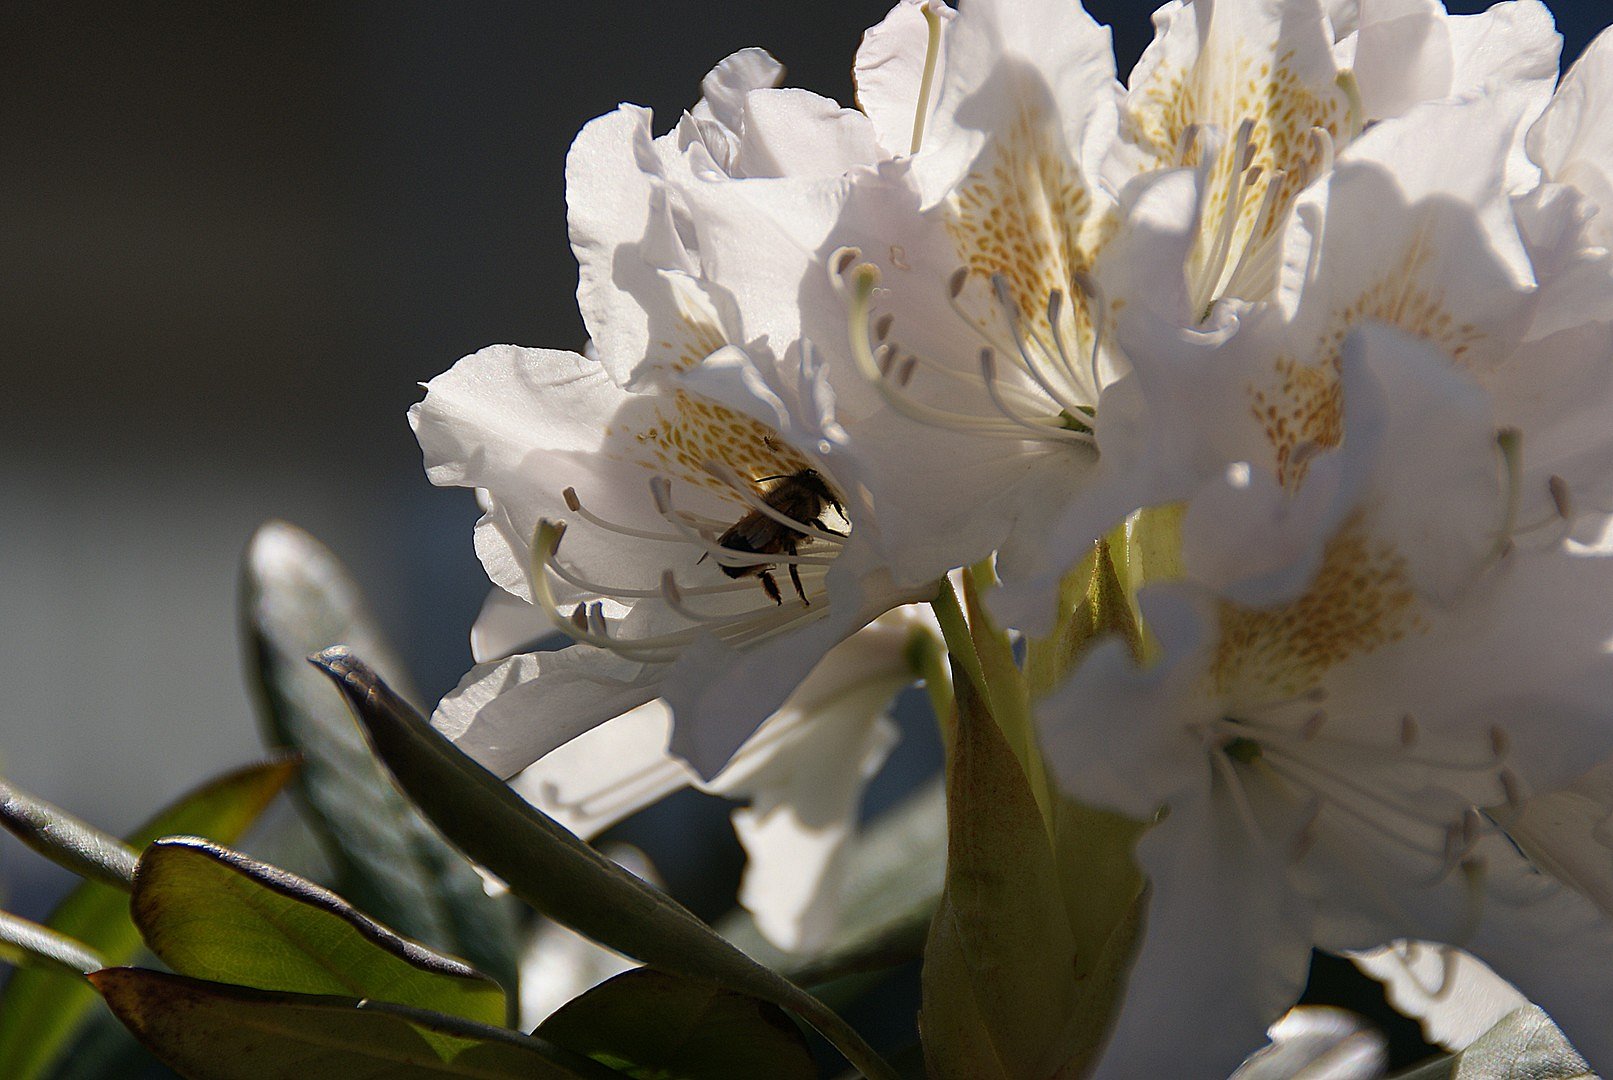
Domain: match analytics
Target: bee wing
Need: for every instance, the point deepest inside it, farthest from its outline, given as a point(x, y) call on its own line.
point(754, 532)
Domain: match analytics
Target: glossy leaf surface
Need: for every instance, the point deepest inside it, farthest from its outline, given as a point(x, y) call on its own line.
point(212, 913)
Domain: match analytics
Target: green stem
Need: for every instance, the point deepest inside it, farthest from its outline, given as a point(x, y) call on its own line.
point(65, 840)
point(955, 632)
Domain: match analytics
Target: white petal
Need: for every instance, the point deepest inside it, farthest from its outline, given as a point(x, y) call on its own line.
point(728, 84)
point(1224, 951)
point(1118, 736)
point(890, 68)
point(1452, 994)
point(1571, 141)
point(1511, 46)
point(1553, 945)
point(1041, 63)
point(506, 625)
point(622, 231)
point(1318, 1043)
point(1566, 833)
point(795, 829)
point(501, 417)
point(797, 133)
point(1402, 55)
point(607, 773)
point(506, 717)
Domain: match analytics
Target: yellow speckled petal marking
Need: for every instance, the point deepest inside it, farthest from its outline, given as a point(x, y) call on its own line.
point(1236, 83)
point(689, 431)
point(1360, 600)
point(1305, 407)
point(1026, 212)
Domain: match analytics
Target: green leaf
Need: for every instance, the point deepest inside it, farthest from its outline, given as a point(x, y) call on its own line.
point(64, 839)
point(655, 1026)
point(999, 982)
point(551, 869)
point(297, 599)
point(212, 1031)
point(214, 914)
point(27, 944)
point(1524, 1044)
point(41, 1011)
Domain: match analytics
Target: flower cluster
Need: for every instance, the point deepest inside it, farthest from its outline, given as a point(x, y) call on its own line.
point(1314, 311)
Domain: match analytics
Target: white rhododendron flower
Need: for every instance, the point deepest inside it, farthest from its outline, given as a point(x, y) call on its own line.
point(1317, 304)
point(1338, 751)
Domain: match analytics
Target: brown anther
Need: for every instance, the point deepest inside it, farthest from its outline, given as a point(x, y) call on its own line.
point(1408, 731)
point(904, 374)
point(956, 282)
point(882, 326)
point(1313, 725)
point(1560, 497)
point(573, 503)
point(1511, 788)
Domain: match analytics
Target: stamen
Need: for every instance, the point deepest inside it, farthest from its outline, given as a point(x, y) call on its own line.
point(574, 504)
point(988, 375)
point(1510, 442)
point(1098, 307)
point(1323, 149)
point(932, 50)
point(1560, 497)
point(864, 280)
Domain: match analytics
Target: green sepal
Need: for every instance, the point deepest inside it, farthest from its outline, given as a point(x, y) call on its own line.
point(999, 983)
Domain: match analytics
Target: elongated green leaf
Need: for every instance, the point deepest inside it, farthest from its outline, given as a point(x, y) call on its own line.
point(27, 944)
point(213, 1031)
point(64, 839)
point(655, 1026)
point(1524, 1044)
point(555, 872)
point(41, 1011)
point(297, 599)
point(999, 980)
point(212, 913)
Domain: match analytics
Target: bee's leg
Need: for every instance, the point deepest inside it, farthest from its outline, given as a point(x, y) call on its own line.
point(795, 579)
point(770, 586)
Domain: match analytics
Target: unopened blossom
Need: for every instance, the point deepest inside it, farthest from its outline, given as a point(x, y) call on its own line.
point(801, 775)
point(1333, 754)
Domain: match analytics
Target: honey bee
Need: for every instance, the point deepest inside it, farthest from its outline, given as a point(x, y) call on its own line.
point(802, 496)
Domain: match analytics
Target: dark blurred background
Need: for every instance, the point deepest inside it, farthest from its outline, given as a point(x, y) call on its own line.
point(235, 238)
